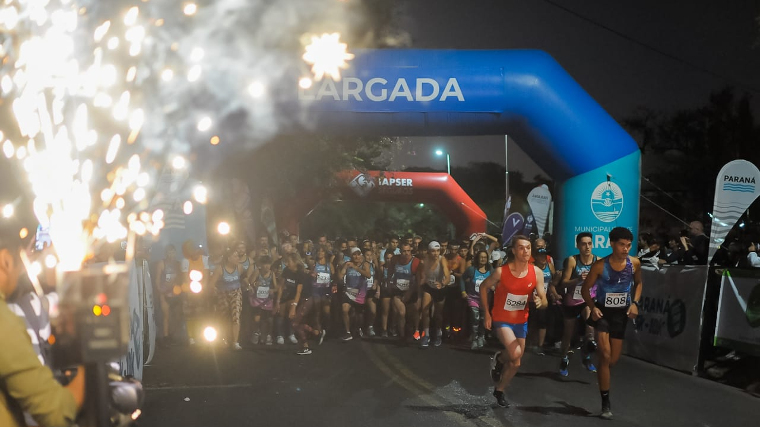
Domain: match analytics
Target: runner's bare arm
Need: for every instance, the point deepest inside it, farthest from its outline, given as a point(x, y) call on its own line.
point(487, 285)
point(540, 299)
point(593, 275)
point(638, 285)
point(567, 271)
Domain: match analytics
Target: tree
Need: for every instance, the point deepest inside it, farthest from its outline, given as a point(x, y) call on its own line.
point(684, 150)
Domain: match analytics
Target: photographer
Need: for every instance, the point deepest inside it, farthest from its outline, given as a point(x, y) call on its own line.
point(25, 384)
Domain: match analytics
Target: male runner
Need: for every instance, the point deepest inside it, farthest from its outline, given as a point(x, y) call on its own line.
point(514, 283)
point(574, 271)
point(618, 281)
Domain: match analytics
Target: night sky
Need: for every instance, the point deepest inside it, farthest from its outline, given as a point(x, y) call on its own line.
point(665, 55)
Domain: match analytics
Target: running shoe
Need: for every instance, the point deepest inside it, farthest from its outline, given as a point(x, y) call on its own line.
point(237, 346)
point(280, 340)
point(496, 367)
point(589, 364)
point(425, 342)
point(438, 341)
point(606, 413)
point(481, 342)
point(304, 351)
point(371, 331)
point(474, 345)
point(347, 337)
point(322, 336)
point(394, 333)
point(269, 340)
point(416, 335)
point(361, 333)
point(539, 351)
point(384, 334)
point(255, 338)
point(563, 366)
point(500, 399)
point(293, 339)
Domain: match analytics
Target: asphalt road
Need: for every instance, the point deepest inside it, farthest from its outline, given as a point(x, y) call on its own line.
point(379, 383)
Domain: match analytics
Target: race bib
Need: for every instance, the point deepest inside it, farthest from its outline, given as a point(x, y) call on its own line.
point(262, 292)
point(370, 282)
point(452, 280)
point(616, 300)
point(515, 302)
point(323, 278)
point(577, 294)
point(402, 284)
point(478, 282)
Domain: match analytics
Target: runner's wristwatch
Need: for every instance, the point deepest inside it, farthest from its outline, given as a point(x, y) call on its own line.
point(636, 303)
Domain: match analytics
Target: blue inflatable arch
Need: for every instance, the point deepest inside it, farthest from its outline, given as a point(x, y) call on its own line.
point(523, 93)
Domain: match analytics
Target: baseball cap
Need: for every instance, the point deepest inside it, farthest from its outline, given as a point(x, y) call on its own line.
point(355, 250)
point(434, 245)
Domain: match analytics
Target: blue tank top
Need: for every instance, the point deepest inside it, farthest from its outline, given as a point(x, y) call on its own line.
point(354, 279)
point(547, 276)
point(473, 287)
point(246, 265)
point(323, 277)
point(230, 281)
point(614, 287)
point(573, 296)
point(402, 275)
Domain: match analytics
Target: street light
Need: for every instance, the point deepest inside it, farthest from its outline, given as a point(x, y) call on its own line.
point(439, 152)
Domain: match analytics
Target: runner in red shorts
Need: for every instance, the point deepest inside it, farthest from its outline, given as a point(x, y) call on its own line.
point(514, 283)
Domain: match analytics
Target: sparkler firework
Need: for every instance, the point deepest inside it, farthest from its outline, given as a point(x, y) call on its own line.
point(97, 96)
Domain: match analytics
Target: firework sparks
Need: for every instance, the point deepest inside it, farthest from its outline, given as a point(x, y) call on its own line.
point(327, 55)
point(87, 85)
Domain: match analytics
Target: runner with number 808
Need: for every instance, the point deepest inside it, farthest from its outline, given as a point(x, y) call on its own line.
point(617, 278)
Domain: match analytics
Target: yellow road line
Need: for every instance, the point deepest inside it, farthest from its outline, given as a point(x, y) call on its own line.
point(419, 386)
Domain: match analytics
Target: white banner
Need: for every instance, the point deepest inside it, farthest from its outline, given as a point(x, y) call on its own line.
point(735, 190)
point(667, 330)
point(738, 324)
point(132, 363)
point(540, 200)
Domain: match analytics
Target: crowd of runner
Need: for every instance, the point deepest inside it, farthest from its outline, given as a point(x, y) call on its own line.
point(416, 291)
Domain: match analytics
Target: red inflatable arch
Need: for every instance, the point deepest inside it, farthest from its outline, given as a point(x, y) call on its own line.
point(439, 189)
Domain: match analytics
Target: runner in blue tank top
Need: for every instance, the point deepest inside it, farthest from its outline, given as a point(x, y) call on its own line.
point(618, 281)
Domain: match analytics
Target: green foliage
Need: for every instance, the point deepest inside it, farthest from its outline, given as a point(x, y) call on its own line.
point(684, 150)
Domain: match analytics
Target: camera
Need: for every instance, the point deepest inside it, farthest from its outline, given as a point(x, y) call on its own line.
point(91, 327)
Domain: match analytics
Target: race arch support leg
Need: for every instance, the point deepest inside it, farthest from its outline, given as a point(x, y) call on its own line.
point(598, 201)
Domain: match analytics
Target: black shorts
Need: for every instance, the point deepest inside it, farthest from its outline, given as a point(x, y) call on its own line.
point(537, 316)
point(438, 295)
point(572, 311)
point(613, 322)
point(344, 299)
point(370, 294)
point(395, 292)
